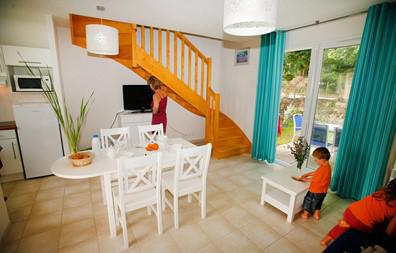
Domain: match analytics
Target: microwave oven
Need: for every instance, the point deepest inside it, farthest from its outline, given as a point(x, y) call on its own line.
point(31, 83)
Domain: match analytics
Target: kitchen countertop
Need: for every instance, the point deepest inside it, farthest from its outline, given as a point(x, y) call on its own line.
point(7, 125)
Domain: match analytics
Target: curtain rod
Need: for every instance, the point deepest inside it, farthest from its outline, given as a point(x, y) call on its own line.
point(317, 22)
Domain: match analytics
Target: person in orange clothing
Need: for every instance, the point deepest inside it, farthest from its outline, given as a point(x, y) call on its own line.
point(365, 214)
point(320, 182)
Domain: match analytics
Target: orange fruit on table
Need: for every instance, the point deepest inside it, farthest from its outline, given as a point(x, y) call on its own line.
point(149, 147)
point(154, 146)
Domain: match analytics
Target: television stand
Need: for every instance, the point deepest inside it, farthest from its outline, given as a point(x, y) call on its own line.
point(133, 119)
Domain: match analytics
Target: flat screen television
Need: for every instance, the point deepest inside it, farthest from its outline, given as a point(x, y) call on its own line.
point(137, 97)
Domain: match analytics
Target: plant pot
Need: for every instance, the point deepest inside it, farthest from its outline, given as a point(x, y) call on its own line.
point(80, 159)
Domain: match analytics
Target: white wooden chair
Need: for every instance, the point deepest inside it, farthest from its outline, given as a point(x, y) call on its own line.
point(110, 137)
point(143, 190)
point(147, 134)
point(114, 136)
point(189, 177)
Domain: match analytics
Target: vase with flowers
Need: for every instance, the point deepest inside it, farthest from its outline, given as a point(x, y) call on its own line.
point(300, 150)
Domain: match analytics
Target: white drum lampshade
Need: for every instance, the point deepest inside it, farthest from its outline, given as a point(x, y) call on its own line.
point(102, 39)
point(249, 17)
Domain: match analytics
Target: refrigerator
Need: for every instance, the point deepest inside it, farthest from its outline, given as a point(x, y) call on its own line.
point(39, 137)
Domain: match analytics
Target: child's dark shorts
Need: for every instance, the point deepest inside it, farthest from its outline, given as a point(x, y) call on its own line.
point(313, 201)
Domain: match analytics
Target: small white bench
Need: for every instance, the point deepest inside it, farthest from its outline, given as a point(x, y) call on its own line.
point(282, 192)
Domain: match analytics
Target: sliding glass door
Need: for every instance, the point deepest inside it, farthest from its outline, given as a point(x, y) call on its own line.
point(331, 98)
point(293, 94)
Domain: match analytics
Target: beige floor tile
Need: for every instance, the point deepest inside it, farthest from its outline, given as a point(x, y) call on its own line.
point(236, 242)
point(74, 214)
point(144, 230)
point(17, 201)
point(44, 242)
point(86, 246)
point(96, 196)
point(26, 187)
point(238, 217)
point(20, 214)
point(41, 224)
point(211, 248)
point(77, 232)
point(190, 238)
point(8, 188)
point(285, 246)
point(77, 199)
point(75, 181)
point(14, 231)
point(276, 220)
point(48, 194)
point(102, 225)
point(51, 182)
point(116, 244)
point(162, 243)
point(302, 236)
point(220, 201)
point(260, 233)
point(77, 188)
point(53, 206)
point(216, 227)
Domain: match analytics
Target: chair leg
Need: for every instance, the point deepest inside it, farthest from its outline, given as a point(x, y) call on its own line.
point(176, 211)
point(189, 198)
point(203, 204)
point(159, 217)
point(124, 229)
point(163, 198)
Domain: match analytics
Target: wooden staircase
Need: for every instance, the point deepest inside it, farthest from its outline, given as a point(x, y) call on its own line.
point(186, 72)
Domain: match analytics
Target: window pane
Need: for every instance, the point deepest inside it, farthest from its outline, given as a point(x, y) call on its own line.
point(294, 86)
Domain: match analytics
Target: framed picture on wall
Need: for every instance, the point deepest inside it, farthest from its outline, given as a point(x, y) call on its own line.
point(242, 56)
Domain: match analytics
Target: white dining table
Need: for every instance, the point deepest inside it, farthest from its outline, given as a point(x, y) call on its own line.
point(103, 166)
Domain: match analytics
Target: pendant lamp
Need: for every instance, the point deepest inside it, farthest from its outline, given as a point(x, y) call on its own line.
point(249, 17)
point(102, 39)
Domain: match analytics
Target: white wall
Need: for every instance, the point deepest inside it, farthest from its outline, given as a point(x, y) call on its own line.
point(82, 74)
point(239, 83)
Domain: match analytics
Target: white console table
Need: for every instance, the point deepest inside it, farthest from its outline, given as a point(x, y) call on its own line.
point(133, 120)
point(284, 193)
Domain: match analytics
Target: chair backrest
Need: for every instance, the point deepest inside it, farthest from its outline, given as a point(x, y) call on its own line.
point(147, 134)
point(319, 135)
point(114, 136)
point(297, 120)
point(192, 163)
point(137, 174)
point(337, 136)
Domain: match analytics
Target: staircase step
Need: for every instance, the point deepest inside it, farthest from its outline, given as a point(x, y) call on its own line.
point(228, 151)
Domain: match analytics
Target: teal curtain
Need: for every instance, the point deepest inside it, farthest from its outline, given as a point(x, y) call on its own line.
point(370, 121)
point(268, 95)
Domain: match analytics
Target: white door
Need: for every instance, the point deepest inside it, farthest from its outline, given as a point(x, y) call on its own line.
point(39, 137)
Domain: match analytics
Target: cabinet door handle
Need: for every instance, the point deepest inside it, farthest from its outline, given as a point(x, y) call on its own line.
point(13, 150)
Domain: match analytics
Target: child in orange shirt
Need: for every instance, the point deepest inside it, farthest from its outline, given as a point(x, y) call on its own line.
point(365, 214)
point(320, 182)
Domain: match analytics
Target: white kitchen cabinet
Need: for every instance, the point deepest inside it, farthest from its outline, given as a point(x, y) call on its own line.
point(133, 120)
point(20, 56)
point(10, 156)
point(3, 69)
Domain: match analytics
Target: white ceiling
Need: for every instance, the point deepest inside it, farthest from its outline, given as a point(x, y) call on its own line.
point(203, 17)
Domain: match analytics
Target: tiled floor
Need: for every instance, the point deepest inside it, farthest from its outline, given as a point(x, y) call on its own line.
point(56, 215)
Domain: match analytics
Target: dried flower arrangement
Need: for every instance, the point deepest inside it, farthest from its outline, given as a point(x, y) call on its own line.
point(300, 150)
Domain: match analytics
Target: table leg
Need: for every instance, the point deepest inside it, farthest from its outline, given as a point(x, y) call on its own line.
point(262, 202)
point(110, 207)
point(290, 213)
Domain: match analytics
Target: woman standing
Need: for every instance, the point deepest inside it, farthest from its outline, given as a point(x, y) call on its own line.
point(160, 100)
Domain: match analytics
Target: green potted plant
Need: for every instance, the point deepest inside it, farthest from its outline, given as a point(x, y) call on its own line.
point(70, 126)
point(300, 150)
